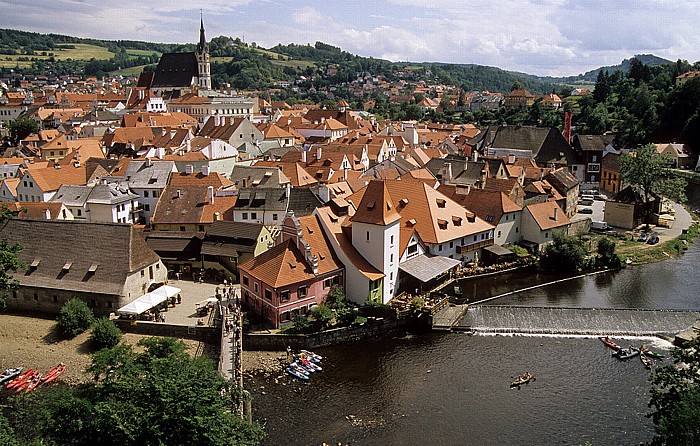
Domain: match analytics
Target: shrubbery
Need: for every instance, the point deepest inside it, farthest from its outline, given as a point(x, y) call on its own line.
point(75, 317)
point(105, 333)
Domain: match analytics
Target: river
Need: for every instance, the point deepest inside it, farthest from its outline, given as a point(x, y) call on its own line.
point(453, 389)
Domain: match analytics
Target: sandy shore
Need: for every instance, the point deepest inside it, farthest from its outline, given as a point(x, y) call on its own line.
point(35, 343)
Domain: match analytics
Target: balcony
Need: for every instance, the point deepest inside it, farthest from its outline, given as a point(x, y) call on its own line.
point(469, 247)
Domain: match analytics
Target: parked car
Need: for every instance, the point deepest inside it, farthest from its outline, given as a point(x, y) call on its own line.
point(643, 237)
point(599, 197)
point(654, 239)
point(585, 202)
point(585, 211)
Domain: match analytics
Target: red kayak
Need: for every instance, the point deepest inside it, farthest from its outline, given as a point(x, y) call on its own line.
point(20, 379)
point(33, 383)
point(606, 340)
point(30, 378)
point(55, 373)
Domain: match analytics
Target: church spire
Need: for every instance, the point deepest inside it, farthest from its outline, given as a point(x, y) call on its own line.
point(201, 47)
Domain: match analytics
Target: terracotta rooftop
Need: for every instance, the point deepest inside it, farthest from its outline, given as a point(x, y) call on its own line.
point(376, 206)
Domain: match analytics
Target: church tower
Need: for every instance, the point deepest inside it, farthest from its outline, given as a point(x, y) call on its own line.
point(203, 59)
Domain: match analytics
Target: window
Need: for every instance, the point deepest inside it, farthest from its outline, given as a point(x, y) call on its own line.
point(147, 207)
point(284, 296)
point(391, 240)
point(25, 184)
point(391, 275)
point(517, 230)
point(182, 229)
point(55, 299)
point(150, 272)
point(440, 247)
point(268, 294)
point(201, 228)
point(483, 236)
point(413, 249)
point(391, 258)
point(499, 233)
point(452, 245)
point(302, 291)
point(285, 317)
point(80, 212)
point(367, 235)
point(245, 280)
point(274, 217)
point(145, 194)
point(36, 296)
point(253, 215)
point(255, 287)
point(143, 273)
point(327, 283)
point(245, 216)
point(546, 235)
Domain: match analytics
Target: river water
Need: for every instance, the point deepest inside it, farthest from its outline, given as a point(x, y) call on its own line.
point(453, 389)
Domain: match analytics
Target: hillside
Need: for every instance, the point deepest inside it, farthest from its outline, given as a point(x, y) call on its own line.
point(624, 66)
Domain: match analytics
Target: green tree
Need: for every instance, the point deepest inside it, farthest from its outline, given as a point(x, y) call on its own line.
point(105, 333)
point(602, 86)
point(322, 315)
point(301, 323)
point(651, 172)
point(7, 434)
point(75, 317)
point(20, 128)
point(675, 398)
point(335, 299)
point(606, 253)
point(565, 254)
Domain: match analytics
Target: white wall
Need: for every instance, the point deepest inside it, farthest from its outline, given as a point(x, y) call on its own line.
point(509, 229)
point(381, 251)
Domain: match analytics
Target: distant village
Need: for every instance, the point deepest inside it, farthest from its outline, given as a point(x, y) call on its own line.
point(128, 183)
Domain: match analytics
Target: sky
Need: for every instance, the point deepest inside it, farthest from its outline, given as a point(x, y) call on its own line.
point(543, 37)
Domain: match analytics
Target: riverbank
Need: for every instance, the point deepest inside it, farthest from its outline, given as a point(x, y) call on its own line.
point(35, 343)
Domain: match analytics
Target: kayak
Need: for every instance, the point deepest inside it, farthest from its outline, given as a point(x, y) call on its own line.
point(651, 354)
point(28, 380)
point(31, 385)
point(297, 367)
point(297, 374)
point(313, 357)
point(54, 373)
point(10, 374)
point(19, 379)
point(646, 361)
point(308, 364)
point(606, 340)
point(522, 379)
point(626, 353)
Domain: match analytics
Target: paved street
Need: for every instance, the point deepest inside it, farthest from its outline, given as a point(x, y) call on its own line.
point(185, 313)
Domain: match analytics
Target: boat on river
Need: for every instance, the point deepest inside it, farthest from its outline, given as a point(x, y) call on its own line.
point(651, 354)
point(626, 353)
point(519, 380)
point(646, 361)
point(607, 341)
point(297, 374)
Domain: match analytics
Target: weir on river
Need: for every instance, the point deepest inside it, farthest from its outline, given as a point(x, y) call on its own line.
point(579, 321)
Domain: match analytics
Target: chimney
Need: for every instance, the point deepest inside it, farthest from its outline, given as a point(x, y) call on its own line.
point(160, 153)
point(556, 213)
point(141, 94)
point(163, 132)
point(189, 170)
point(475, 156)
point(179, 193)
point(446, 173)
point(483, 178)
point(314, 264)
point(48, 214)
point(205, 170)
point(210, 194)
point(303, 156)
point(511, 159)
point(318, 153)
point(217, 120)
point(148, 162)
point(189, 145)
point(345, 174)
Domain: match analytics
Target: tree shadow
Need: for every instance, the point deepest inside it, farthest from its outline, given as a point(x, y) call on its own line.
point(87, 347)
point(55, 335)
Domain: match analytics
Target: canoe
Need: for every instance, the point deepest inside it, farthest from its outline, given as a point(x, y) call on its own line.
point(29, 379)
point(626, 353)
point(522, 379)
point(646, 361)
point(606, 340)
point(31, 385)
point(313, 357)
point(297, 374)
point(297, 367)
point(19, 379)
point(10, 374)
point(56, 372)
point(651, 354)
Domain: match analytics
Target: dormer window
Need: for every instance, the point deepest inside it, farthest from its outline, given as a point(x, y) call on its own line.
point(457, 221)
point(442, 223)
point(67, 266)
point(441, 203)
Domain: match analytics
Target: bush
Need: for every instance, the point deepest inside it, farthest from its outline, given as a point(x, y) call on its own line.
point(301, 324)
point(607, 255)
point(336, 298)
point(105, 333)
point(322, 315)
point(519, 250)
point(345, 316)
point(565, 255)
point(75, 317)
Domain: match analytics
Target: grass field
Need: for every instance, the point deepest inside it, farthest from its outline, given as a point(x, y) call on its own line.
point(131, 71)
point(81, 51)
point(131, 52)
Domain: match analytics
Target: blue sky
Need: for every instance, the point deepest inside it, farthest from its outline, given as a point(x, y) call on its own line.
point(545, 37)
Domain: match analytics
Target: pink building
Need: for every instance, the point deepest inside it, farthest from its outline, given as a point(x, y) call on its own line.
point(292, 277)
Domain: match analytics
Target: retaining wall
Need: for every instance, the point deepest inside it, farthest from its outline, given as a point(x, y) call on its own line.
point(197, 333)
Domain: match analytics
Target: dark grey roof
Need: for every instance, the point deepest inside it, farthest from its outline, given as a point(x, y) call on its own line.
point(228, 238)
point(258, 176)
point(303, 201)
point(180, 204)
point(562, 180)
point(148, 174)
point(66, 250)
point(546, 144)
point(175, 70)
point(592, 143)
point(173, 244)
point(75, 196)
point(262, 199)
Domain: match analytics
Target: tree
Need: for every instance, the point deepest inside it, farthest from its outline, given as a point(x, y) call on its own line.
point(105, 333)
point(335, 299)
point(20, 128)
point(602, 86)
point(606, 253)
point(566, 254)
point(9, 261)
point(675, 398)
point(651, 172)
point(7, 434)
point(322, 315)
point(75, 317)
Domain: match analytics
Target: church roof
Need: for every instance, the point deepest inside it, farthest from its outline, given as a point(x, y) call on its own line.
point(175, 70)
